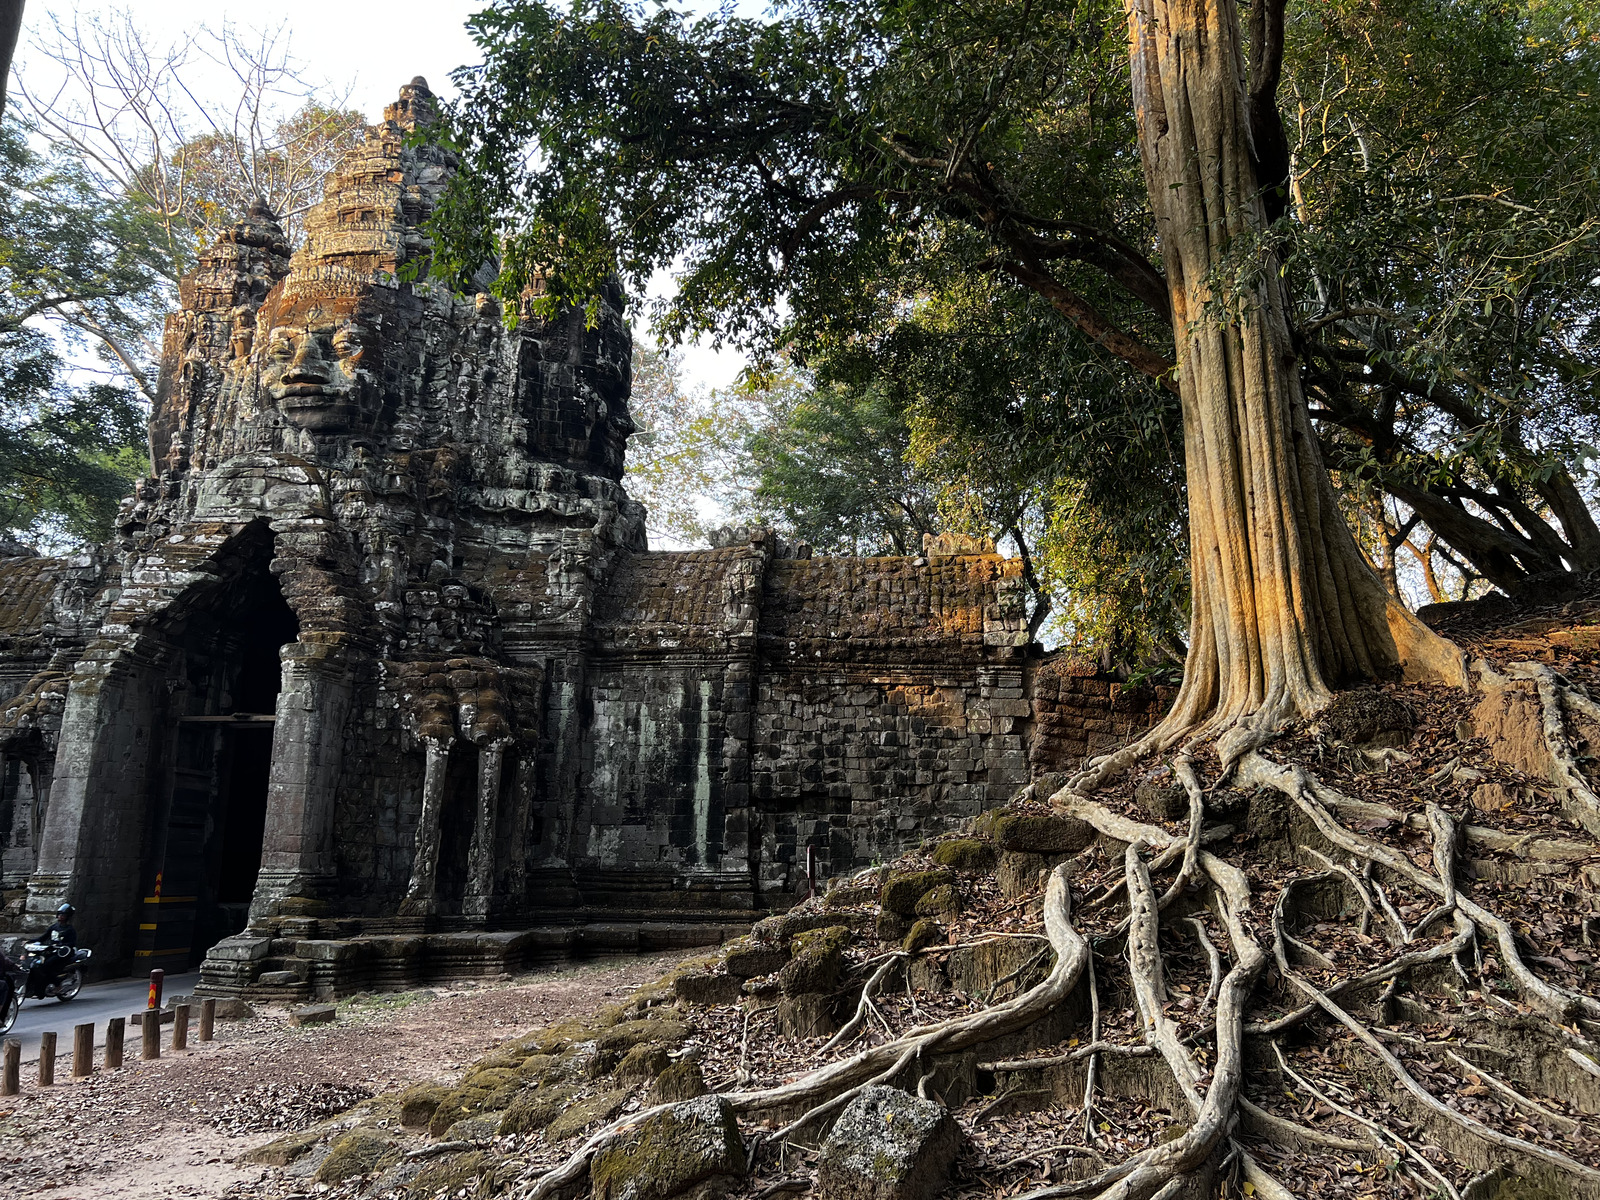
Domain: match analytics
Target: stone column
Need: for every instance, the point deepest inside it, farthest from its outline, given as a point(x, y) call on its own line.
point(419, 901)
point(297, 852)
point(480, 857)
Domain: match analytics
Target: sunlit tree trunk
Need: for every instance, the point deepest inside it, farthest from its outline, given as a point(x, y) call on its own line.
point(1285, 606)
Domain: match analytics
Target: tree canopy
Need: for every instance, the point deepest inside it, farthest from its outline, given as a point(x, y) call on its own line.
point(70, 444)
point(813, 172)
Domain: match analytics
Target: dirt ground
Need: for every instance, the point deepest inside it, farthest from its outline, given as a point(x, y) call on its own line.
point(175, 1127)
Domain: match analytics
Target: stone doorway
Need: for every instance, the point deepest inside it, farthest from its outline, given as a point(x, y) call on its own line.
point(212, 808)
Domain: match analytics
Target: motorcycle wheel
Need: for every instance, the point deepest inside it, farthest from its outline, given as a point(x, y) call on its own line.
point(8, 1017)
point(71, 984)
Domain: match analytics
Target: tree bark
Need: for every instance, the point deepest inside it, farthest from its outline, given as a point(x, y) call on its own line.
point(10, 30)
point(1284, 603)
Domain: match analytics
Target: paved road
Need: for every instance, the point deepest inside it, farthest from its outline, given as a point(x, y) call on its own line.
point(98, 1002)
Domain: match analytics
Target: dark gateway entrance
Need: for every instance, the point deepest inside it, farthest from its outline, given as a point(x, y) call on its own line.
point(211, 814)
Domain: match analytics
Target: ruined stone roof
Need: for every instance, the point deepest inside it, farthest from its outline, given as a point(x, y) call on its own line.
point(679, 596)
point(854, 608)
point(30, 611)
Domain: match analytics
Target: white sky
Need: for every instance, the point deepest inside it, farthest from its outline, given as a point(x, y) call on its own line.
point(373, 45)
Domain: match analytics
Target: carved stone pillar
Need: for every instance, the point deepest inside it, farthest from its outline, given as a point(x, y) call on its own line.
point(297, 852)
point(420, 901)
point(480, 858)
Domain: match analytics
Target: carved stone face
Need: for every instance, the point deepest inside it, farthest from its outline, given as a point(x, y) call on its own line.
point(322, 366)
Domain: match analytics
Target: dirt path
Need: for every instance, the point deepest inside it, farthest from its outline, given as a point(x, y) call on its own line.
point(175, 1127)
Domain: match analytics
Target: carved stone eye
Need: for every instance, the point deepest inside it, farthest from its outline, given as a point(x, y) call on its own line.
point(281, 347)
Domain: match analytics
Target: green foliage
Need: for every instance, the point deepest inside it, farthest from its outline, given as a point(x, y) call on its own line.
point(832, 468)
point(69, 262)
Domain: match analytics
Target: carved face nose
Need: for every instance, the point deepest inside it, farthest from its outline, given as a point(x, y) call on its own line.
point(308, 365)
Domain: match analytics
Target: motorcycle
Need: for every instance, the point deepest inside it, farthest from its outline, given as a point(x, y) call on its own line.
point(53, 970)
point(13, 980)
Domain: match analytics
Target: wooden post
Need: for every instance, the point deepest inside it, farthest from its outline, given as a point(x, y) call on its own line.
point(47, 1058)
point(11, 1075)
point(180, 1027)
point(150, 1027)
point(82, 1050)
point(208, 1017)
point(114, 1031)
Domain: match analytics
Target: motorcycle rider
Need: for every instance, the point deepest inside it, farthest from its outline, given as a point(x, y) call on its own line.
point(62, 933)
point(62, 939)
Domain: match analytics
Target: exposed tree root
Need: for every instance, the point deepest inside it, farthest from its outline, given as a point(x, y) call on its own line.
point(1205, 1054)
point(1553, 694)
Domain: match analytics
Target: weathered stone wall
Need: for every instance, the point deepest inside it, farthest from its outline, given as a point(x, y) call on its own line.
point(1079, 711)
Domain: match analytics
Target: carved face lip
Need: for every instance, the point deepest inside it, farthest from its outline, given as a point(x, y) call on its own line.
point(314, 367)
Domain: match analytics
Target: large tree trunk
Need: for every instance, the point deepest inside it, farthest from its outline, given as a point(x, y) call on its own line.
point(1284, 603)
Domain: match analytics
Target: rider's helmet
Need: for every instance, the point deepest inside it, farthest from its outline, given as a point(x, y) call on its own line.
point(66, 910)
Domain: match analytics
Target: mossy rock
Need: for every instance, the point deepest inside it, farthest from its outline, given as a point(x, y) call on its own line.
point(418, 1104)
point(683, 1080)
point(555, 1039)
point(581, 1114)
point(447, 1176)
point(903, 889)
point(781, 928)
point(1038, 833)
point(750, 958)
point(923, 934)
point(532, 1110)
point(942, 901)
point(643, 1063)
point(619, 1039)
point(358, 1152)
point(508, 1058)
point(965, 854)
point(478, 1128)
point(1162, 797)
point(707, 988)
point(818, 959)
point(684, 1149)
point(285, 1150)
point(540, 1068)
point(1019, 873)
point(851, 895)
point(489, 1090)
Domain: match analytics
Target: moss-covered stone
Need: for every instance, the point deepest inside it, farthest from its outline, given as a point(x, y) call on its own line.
point(418, 1104)
point(538, 1068)
point(818, 959)
point(851, 895)
point(280, 1152)
point(643, 1063)
point(748, 958)
point(965, 854)
point(484, 1090)
point(688, 1146)
point(478, 1128)
point(619, 1039)
point(903, 889)
point(923, 934)
point(1020, 874)
point(888, 1145)
point(683, 1080)
point(944, 900)
point(356, 1153)
point(450, 1174)
point(1038, 833)
point(532, 1110)
point(707, 987)
point(581, 1114)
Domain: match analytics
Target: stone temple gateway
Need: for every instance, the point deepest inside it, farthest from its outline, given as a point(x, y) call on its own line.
point(380, 682)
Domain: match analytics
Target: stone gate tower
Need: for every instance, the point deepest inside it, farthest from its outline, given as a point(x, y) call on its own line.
point(379, 679)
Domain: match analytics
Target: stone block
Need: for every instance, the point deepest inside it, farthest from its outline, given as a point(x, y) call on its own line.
point(694, 1146)
point(707, 988)
point(314, 1014)
point(888, 1145)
